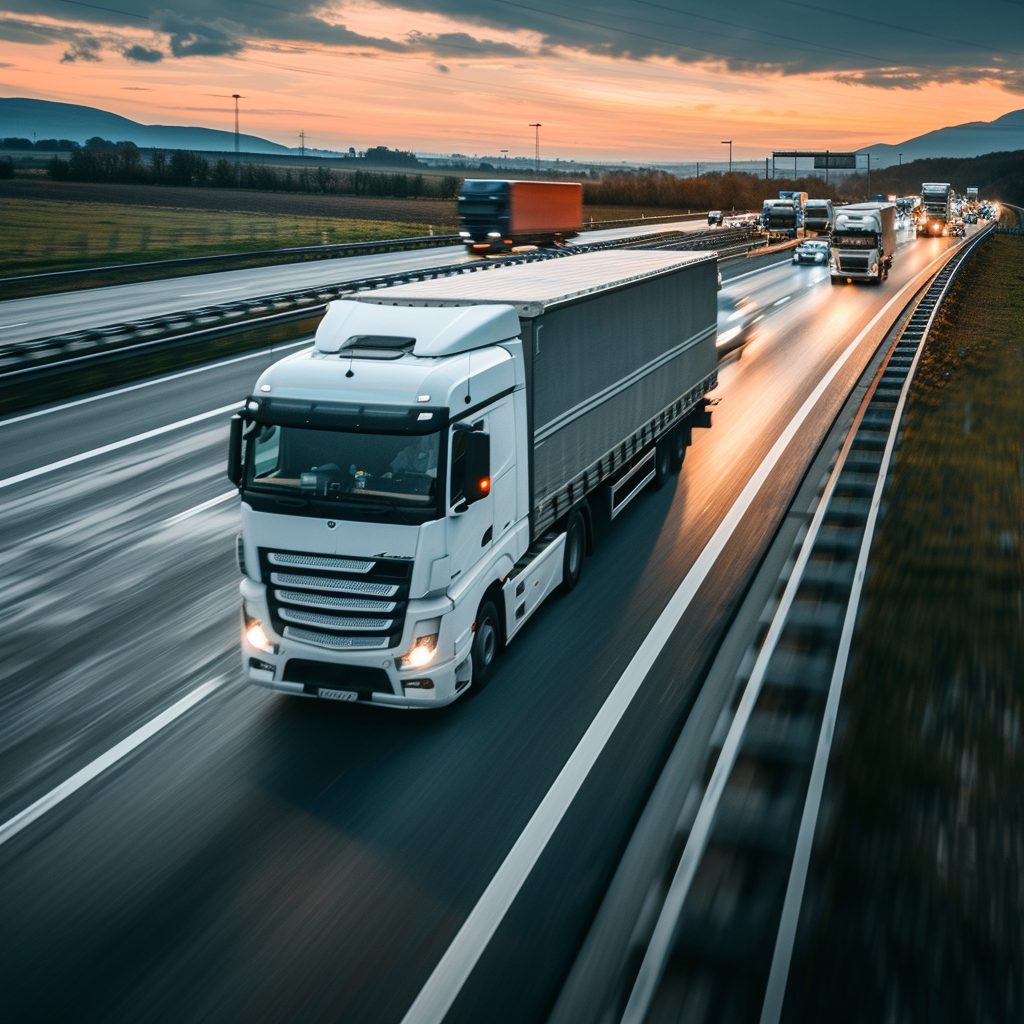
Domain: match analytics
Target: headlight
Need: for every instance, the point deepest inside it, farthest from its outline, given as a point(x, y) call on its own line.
point(256, 636)
point(421, 653)
point(494, 234)
point(464, 234)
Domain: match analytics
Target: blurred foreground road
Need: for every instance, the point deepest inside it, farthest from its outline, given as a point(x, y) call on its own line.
point(269, 858)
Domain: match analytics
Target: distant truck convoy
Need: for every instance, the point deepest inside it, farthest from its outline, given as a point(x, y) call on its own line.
point(935, 212)
point(818, 215)
point(496, 215)
point(416, 484)
point(784, 215)
point(863, 242)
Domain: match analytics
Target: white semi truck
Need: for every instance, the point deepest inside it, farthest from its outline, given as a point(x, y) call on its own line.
point(863, 242)
point(936, 211)
point(415, 485)
point(784, 215)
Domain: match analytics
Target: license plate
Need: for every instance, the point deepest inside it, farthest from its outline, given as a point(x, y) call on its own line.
point(338, 694)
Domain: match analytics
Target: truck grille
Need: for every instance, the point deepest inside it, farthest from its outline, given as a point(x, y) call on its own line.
point(336, 602)
point(855, 264)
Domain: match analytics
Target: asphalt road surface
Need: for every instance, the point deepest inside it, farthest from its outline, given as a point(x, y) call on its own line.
point(48, 315)
point(266, 858)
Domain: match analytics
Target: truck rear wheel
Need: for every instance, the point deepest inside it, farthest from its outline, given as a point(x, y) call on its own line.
point(575, 550)
point(662, 464)
point(486, 643)
point(677, 441)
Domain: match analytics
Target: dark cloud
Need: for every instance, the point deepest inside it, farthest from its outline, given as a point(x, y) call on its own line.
point(899, 46)
point(443, 68)
point(142, 55)
point(460, 43)
point(85, 48)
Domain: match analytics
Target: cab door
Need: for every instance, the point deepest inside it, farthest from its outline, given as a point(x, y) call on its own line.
point(470, 503)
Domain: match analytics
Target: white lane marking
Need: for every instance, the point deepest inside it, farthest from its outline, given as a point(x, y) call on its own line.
point(201, 507)
point(458, 961)
point(51, 467)
point(23, 819)
point(785, 298)
point(7, 327)
point(151, 383)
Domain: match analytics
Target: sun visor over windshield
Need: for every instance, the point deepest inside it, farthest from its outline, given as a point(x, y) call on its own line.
point(363, 419)
point(432, 330)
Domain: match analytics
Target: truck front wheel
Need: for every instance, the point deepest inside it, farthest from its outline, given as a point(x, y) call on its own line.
point(486, 643)
point(575, 550)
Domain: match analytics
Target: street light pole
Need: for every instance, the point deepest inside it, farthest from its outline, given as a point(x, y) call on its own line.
point(504, 157)
point(236, 98)
point(728, 142)
point(536, 147)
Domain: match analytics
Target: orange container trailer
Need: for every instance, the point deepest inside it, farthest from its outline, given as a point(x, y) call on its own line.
point(496, 215)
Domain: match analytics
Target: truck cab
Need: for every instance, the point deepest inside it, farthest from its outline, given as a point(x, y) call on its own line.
point(863, 242)
point(379, 482)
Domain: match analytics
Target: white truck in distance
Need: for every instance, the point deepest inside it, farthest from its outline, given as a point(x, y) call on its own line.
point(935, 212)
point(416, 484)
point(863, 242)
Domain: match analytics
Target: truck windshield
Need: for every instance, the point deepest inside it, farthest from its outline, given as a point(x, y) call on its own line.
point(868, 240)
point(344, 468)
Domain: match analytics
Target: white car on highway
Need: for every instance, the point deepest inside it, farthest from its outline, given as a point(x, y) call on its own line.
point(812, 250)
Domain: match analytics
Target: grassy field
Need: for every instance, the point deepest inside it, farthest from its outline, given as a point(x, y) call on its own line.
point(918, 886)
point(42, 235)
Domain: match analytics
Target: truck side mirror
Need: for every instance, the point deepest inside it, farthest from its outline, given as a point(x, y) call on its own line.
point(478, 466)
point(235, 450)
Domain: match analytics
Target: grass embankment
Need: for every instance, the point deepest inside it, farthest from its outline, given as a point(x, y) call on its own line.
point(44, 235)
point(917, 894)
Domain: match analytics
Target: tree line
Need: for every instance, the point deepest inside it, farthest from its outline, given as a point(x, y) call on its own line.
point(185, 168)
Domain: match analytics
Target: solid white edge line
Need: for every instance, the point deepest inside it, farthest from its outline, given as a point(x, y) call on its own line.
point(201, 507)
point(778, 976)
point(151, 383)
point(30, 474)
point(22, 820)
point(446, 980)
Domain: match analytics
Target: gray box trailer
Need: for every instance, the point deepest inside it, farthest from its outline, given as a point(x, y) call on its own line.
point(618, 347)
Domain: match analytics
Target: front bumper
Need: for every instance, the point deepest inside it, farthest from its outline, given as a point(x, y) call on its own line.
point(370, 674)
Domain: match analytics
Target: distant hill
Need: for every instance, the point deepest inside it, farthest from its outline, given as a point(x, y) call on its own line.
point(21, 117)
point(975, 138)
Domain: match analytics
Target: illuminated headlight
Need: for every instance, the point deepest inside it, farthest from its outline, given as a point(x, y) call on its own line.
point(874, 268)
point(464, 234)
point(494, 234)
point(421, 653)
point(256, 636)
point(729, 335)
point(818, 258)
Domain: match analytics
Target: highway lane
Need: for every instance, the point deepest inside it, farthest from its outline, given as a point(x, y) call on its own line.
point(270, 857)
point(46, 315)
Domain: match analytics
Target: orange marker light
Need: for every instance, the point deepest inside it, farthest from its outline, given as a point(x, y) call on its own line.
point(485, 484)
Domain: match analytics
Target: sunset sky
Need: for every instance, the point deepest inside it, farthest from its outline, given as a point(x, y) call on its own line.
point(609, 79)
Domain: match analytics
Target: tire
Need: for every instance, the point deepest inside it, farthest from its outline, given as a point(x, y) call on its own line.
point(678, 444)
point(662, 464)
point(836, 280)
point(486, 643)
point(575, 550)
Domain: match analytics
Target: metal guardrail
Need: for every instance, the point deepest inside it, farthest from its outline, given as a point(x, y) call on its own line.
point(743, 839)
point(27, 360)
